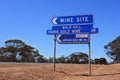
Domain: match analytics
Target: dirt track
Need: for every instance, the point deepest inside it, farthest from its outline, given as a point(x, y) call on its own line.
point(63, 72)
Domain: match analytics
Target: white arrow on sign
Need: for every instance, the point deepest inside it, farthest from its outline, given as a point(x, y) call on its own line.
point(72, 39)
point(54, 20)
point(58, 38)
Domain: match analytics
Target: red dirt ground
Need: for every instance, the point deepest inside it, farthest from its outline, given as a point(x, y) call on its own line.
point(63, 72)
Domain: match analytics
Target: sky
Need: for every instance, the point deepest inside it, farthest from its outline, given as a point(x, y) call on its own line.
point(28, 20)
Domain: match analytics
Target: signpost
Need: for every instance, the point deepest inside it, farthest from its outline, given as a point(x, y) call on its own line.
point(89, 58)
point(54, 61)
point(73, 38)
point(77, 19)
point(65, 27)
point(73, 30)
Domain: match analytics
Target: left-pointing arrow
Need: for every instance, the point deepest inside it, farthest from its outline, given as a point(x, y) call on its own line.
point(71, 39)
point(54, 20)
point(58, 38)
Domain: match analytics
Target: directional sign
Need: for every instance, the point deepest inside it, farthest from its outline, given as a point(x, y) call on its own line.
point(72, 39)
point(94, 31)
point(72, 27)
point(78, 19)
point(73, 31)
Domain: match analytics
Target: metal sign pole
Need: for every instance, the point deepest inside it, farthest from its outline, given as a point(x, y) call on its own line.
point(89, 48)
point(54, 61)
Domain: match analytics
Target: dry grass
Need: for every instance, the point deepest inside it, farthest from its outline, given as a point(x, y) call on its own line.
point(63, 72)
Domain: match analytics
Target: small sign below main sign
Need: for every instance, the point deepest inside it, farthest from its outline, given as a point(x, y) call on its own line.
point(73, 31)
point(72, 39)
point(72, 27)
point(82, 35)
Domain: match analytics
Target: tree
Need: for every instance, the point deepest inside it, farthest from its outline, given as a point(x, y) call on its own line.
point(61, 59)
point(103, 61)
point(83, 58)
point(12, 48)
point(41, 59)
point(100, 61)
point(74, 58)
point(2, 56)
point(27, 54)
point(17, 50)
point(78, 57)
point(112, 49)
point(97, 61)
point(50, 60)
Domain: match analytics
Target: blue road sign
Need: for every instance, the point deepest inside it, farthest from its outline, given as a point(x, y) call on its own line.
point(72, 27)
point(78, 19)
point(73, 31)
point(73, 39)
point(94, 31)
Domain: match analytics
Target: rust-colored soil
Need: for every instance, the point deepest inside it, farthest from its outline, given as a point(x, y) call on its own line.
point(63, 72)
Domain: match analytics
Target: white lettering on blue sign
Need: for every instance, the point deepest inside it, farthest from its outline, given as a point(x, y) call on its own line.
point(70, 40)
point(93, 30)
point(84, 40)
point(62, 20)
point(80, 40)
point(78, 19)
point(75, 31)
point(64, 31)
point(71, 26)
point(53, 31)
point(82, 19)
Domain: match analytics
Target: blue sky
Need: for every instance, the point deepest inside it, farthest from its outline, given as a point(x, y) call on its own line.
point(28, 21)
